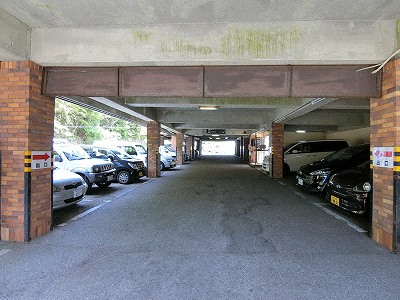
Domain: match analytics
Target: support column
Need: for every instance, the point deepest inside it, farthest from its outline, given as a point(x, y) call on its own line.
point(277, 150)
point(153, 145)
point(177, 145)
point(385, 132)
point(26, 125)
point(188, 148)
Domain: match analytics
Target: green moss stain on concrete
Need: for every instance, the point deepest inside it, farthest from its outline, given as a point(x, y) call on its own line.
point(43, 6)
point(184, 47)
point(141, 37)
point(258, 43)
point(398, 32)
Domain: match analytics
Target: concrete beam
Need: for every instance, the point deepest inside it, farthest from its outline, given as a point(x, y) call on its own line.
point(245, 102)
point(184, 126)
point(222, 116)
point(14, 38)
point(264, 43)
point(333, 117)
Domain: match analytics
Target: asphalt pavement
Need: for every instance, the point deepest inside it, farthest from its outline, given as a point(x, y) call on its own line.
point(214, 228)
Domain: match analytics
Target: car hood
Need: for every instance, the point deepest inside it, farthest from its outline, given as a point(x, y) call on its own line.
point(351, 178)
point(321, 164)
point(63, 176)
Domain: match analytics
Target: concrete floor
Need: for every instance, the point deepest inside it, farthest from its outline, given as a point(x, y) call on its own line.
point(214, 228)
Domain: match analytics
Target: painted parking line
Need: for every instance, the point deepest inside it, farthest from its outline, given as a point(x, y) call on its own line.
point(4, 251)
point(340, 218)
point(300, 194)
point(281, 183)
point(86, 212)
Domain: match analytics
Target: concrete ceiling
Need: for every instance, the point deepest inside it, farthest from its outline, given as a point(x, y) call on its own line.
point(206, 32)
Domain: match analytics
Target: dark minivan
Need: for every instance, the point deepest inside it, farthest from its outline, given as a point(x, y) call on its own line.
point(128, 168)
point(314, 177)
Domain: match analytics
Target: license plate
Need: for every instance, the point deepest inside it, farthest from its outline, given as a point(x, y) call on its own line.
point(300, 181)
point(78, 192)
point(335, 200)
point(110, 177)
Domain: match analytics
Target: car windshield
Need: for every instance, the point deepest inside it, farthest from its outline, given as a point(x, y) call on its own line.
point(141, 149)
point(365, 166)
point(288, 147)
point(121, 154)
point(344, 154)
point(74, 152)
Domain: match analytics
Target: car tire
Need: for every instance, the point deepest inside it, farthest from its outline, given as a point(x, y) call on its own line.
point(286, 169)
point(103, 184)
point(162, 166)
point(124, 177)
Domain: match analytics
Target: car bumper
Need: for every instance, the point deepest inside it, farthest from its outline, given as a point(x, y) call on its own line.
point(103, 177)
point(66, 198)
point(313, 184)
point(355, 203)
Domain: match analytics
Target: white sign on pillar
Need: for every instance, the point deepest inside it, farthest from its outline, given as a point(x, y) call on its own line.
point(41, 160)
point(383, 157)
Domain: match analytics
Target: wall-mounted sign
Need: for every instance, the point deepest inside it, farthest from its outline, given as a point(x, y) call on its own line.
point(383, 157)
point(215, 131)
point(41, 160)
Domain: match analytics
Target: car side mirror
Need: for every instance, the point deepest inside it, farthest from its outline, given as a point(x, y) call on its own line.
point(58, 158)
point(111, 157)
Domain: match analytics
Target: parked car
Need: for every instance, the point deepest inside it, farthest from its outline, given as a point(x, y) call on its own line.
point(68, 188)
point(305, 152)
point(128, 169)
point(73, 158)
point(314, 177)
point(351, 189)
point(134, 149)
point(167, 158)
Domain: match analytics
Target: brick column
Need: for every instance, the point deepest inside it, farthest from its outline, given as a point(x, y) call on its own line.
point(177, 145)
point(277, 138)
point(26, 124)
point(188, 148)
point(153, 144)
point(385, 132)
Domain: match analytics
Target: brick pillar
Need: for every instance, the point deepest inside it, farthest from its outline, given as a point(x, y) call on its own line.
point(153, 144)
point(246, 151)
point(26, 124)
point(177, 145)
point(277, 150)
point(385, 132)
point(188, 149)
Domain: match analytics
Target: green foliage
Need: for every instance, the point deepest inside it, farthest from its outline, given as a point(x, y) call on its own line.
point(84, 126)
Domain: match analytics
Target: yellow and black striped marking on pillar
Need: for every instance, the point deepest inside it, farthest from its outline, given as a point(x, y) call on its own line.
point(396, 160)
point(28, 161)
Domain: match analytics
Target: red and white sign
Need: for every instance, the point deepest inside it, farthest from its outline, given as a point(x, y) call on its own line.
point(41, 160)
point(383, 157)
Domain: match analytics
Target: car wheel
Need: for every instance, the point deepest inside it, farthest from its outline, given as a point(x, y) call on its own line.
point(103, 185)
point(162, 166)
point(124, 177)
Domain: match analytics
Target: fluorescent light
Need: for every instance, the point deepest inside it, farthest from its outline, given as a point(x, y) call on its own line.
point(300, 131)
point(208, 107)
point(215, 135)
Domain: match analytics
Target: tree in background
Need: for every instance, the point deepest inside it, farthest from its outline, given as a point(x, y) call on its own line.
point(84, 126)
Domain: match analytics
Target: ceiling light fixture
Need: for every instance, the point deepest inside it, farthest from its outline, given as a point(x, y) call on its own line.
point(208, 107)
point(300, 131)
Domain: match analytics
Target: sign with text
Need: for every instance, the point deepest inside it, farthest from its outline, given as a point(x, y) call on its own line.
point(41, 160)
point(383, 157)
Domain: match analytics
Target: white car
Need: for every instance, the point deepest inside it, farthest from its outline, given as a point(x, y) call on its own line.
point(68, 188)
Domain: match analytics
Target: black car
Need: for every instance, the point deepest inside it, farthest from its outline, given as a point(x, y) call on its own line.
point(128, 168)
point(351, 189)
point(315, 176)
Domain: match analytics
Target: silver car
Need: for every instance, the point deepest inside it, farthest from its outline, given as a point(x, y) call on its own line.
point(68, 188)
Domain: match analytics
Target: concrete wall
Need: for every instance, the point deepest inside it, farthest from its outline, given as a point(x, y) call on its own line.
point(354, 137)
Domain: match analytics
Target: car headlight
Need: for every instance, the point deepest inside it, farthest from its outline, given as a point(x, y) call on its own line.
point(133, 166)
point(56, 188)
point(323, 172)
point(96, 169)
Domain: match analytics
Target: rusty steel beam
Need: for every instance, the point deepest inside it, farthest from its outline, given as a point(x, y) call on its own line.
point(161, 81)
point(214, 81)
point(334, 82)
point(247, 81)
point(80, 81)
